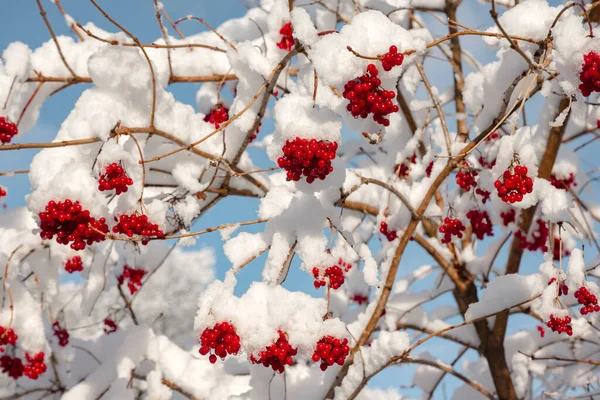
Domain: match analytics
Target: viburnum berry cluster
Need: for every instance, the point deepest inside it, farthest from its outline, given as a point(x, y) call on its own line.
point(70, 223)
point(514, 184)
point(560, 325)
point(390, 235)
point(360, 299)
point(563, 183)
point(217, 115)
point(222, 339)
point(277, 355)
point(367, 97)
point(35, 365)
point(485, 195)
point(508, 217)
point(590, 74)
point(114, 178)
point(331, 350)
point(333, 276)
point(563, 289)
point(7, 337)
point(61, 334)
point(134, 277)
point(74, 264)
point(481, 223)
point(539, 238)
point(403, 169)
point(391, 59)
point(588, 300)
point(287, 39)
point(137, 224)
point(110, 326)
point(309, 158)
point(465, 177)
point(7, 130)
point(11, 366)
point(450, 227)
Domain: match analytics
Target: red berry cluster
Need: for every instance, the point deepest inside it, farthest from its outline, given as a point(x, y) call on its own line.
point(539, 238)
point(61, 334)
point(114, 177)
point(481, 223)
point(222, 339)
point(556, 250)
point(7, 336)
point(429, 169)
point(287, 40)
point(310, 158)
point(367, 97)
point(391, 59)
point(485, 163)
point(485, 195)
point(403, 169)
point(541, 331)
point(74, 264)
point(465, 178)
point(560, 325)
point(390, 235)
point(360, 299)
point(255, 133)
point(12, 366)
point(590, 74)
point(331, 350)
point(71, 223)
point(562, 288)
point(514, 185)
point(35, 365)
point(276, 355)
point(334, 276)
point(588, 300)
point(110, 326)
point(134, 276)
point(7, 130)
point(564, 183)
point(135, 224)
point(508, 217)
point(451, 226)
point(217, 115)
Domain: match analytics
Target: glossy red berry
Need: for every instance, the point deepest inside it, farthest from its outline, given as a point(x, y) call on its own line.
point(330, 351)
point(390, 235)
point(539, 238)
point(480, 223)
point(61, 334)
point(74, 264)
point(465, 177)
point(367, 97)
point(3, 192)
point(220, 341)
point(590, 74)
point(138, 225)
point(70, 223)
point(114, 178)
point(110, 326)
point(134, 277)
point(217, 115)
point(35, 365)
point(588, 301)
point(514, 184)
point(560, 325)
point(276, 355)
point(391, 59)
point(7, 130)
point(309, 158)
point(541, 330)
point(451, 227)
point(287, 39)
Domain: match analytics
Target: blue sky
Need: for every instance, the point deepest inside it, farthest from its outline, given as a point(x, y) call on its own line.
point(23, 22)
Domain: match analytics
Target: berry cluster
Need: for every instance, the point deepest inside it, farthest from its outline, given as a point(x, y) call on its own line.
point(485, 195)
point(538, 238)
point(331, 350)
point(485, 163)
point(465, 178)
point(310, 158)
point(403, 169)
point(588, 300)
point(562, 288)
point(35, 366)
point(429, 169)
point(74, 264)
point(222, 339)
point(564, 183)
point(390, 235)
point(451, 226)
point(110, 326)
point(508, 217)
point(367, 97)
point(217, 115)
point(276, 355)
point(114, 177)
point(12, 366)
point(590, 74)
point(255, 133)
point(514, 185)
point(391, 59)
point(359, 298)
point(481, 223)
point(560, 325)
point(7, 336)
point(7, 130)
point(134, 276)
point(541, 331)
point(61, 334)
point(135, 224)
point(71, 223)
point(287, 40)
point(334, 276)
point(556, 250)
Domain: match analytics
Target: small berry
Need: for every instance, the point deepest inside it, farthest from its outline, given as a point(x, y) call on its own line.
point(7, 130)
point(110, 326)
point(403, 169)
point(465, 178)
point(134, 276)
point(563, 183)
point(360, 299)
point(541, 330)
point(539, 238)
point(429, 169)
point(61, 334)
point(287, 39)
point(7, 337)
point(390, 235)
point(481, 223)
point(308, 158)
point(74, 264)
point(222, 339)
point(391, 59)
point(590, 74)
point(514, 184)
point(451, 226)
point(276, 355)
point(114, 177)
point(508, 217)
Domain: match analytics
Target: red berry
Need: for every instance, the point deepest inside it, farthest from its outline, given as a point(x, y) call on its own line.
point(391, 59)
point(556, 250)
point(481, 223)
point(110, 326)
point(539, 238)
point(134, 276)
point(221, 339)
point(276, 355)
point(390, 235)
point(61, 334)
point(465, 178)
point(114, 177)
point(333, 276)
point(35, 366)
point(508, 217)
point(588, 301)
point(563, 183)
point(74, 264)
point(12, 366)
point(7, 130)
point(217, 115)
point(560, 325)
point(359, 298)
point(403, 169)
point(590, 74)
point(7, 337)
point(287, 39)
point(513, 185)
point(308, 158)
